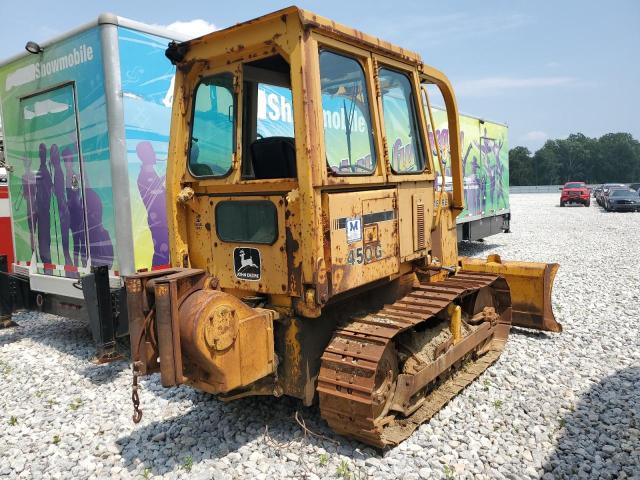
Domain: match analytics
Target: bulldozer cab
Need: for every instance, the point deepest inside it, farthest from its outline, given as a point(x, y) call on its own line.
point(303, 149)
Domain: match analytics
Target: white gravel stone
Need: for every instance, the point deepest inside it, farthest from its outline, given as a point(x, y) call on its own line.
point(569, 403)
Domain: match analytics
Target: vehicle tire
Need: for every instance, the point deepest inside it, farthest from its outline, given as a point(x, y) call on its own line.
point(587, 203)
point(562, 204)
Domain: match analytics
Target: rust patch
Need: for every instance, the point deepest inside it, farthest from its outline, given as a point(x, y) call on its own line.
point(294, 268)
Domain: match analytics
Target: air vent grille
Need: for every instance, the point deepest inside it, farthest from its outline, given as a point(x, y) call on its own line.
point(420, 226)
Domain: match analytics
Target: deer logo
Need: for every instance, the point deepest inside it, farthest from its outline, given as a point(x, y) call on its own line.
point(247, 263)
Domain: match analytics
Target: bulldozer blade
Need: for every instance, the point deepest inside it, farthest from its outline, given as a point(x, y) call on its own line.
point(530, 284)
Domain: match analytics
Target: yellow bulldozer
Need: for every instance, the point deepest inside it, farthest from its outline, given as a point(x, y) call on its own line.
point(321, 261)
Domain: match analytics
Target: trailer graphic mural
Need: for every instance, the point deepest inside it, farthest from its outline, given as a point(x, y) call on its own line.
point(57, 144)
point(485, 163)
point(147, 84)
point(57, 141)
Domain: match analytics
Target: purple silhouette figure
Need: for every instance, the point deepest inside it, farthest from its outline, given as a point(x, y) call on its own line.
point(61, 199)
point(486, 146)
point(152, 191)
point(100, 247)
point(479, 178)
point(44, 184)
point(74, 206)
point(29, 194)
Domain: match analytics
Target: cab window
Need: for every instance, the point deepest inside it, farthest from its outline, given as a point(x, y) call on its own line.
point(213, 132)
point(348, 137)
point(406, 154)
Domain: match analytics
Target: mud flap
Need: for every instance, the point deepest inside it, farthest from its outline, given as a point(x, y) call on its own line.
point(530, 284)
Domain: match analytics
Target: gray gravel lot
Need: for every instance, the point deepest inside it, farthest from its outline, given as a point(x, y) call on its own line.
point(554, 406)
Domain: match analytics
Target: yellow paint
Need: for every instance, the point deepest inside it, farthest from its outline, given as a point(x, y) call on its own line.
point(455, 325)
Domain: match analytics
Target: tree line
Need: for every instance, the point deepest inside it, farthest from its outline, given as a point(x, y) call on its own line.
point(614, 157)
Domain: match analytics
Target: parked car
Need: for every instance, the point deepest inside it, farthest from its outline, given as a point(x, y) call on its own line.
point(635, 186)
point(605, 191)
point(575, 192)
point(622, 200)
point(596, 191)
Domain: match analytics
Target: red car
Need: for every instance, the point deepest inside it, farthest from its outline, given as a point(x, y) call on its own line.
point(575, 192)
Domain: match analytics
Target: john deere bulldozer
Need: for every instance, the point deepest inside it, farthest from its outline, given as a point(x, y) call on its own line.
point(314, 252)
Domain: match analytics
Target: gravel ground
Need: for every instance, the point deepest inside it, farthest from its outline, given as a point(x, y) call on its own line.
point(554, 405)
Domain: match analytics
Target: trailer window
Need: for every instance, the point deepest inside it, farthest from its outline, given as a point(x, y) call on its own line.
point(348, 137)
point(401, 122)
point(247, 221)
point(213, 131)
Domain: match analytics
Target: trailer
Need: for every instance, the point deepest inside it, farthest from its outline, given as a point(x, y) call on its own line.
point(86, 125)
point(485, 166)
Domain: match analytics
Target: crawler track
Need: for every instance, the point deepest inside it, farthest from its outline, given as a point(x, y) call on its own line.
point(364, 393)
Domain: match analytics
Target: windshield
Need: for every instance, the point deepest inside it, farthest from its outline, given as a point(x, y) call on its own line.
point(348, 136)
point(622, 193)
point(575, 185)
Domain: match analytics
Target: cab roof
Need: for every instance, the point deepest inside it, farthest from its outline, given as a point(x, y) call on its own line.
point(312, 21)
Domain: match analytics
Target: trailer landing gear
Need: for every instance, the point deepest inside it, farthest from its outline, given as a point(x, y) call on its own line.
point(6, 295)
point(104, 308)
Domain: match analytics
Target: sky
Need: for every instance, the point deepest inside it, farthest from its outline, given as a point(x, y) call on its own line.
point(547, 68)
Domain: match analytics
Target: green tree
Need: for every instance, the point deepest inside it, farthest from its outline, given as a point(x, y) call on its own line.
point(614, 157)
point(520, 166)
point(619, 158)
point(546, 162)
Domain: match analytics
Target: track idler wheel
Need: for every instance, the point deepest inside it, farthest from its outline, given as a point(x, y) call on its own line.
point(385, 384)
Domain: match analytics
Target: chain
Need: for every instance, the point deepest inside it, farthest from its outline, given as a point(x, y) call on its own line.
point(137, 413)
point(135, 398)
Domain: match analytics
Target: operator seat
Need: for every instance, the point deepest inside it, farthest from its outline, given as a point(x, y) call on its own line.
point(273, 157)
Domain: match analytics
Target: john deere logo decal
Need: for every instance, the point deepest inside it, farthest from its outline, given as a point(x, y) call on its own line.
point(246, 263)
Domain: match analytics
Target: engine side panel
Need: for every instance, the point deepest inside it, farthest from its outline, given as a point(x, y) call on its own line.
point(363, 237)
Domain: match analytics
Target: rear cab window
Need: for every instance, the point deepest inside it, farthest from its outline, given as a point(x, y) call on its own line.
point(250, 221)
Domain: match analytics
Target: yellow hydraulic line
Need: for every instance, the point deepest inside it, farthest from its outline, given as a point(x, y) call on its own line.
point(455, 314)
point(438, 153)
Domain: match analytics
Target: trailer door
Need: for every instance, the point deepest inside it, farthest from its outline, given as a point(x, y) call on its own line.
point(56, 214)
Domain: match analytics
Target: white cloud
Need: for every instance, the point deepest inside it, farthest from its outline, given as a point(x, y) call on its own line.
point(494, 85)
point(535, 136)
point(192, 28)
point(552, 64)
